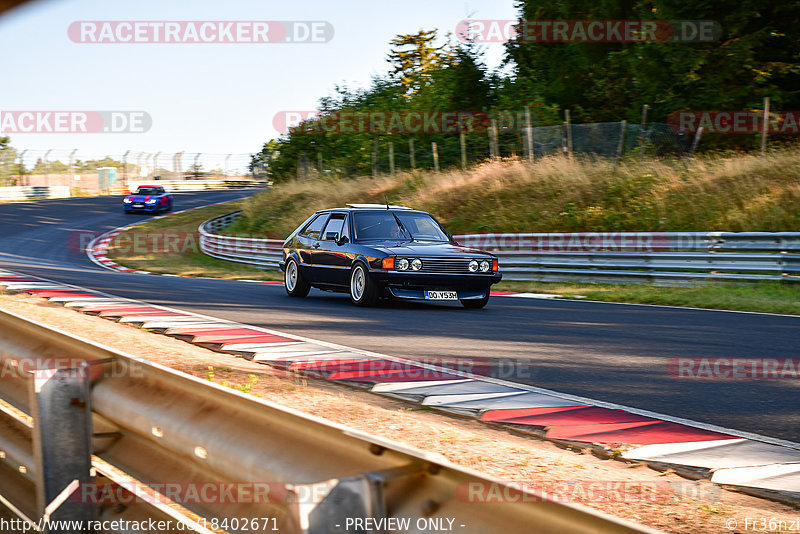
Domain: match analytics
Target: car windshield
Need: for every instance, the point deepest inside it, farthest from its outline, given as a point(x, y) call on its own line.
point(421, 226)
point(388, 225)
point(149, 191)
point(378, 225)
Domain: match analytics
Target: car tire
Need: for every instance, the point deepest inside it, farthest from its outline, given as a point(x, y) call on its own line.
point(295, 284)
point(169, 206)
point(363, 290)
point(475, 304)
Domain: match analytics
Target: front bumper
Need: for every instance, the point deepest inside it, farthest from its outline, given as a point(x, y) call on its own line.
point(130, 207)
point(410, 285)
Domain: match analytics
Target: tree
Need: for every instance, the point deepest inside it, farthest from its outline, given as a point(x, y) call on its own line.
point(8, 162)
point(460, 84)
point(757, 55)
point(413, 57)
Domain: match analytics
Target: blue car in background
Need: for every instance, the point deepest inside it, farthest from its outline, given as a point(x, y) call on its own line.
point(148, 198)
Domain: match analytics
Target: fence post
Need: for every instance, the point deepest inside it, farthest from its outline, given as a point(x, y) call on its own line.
point(765, 127)
point(568, 126)
point(411, 153)
point(124, 166)
point(491, 141)
point(435, 156)
point(494, 145)
point(462, 140)
point(72, 159)
point(62, 443)
point(21, 167)
point(375, 158)
point(621, 144)
point(47, 168)
point(177, 166)
point(642, 130)
point(529, 134)
point(695, 142)
point(139, 164)
point(299, 167)
point(391, 157)
point(155, 166)
point(196, 165)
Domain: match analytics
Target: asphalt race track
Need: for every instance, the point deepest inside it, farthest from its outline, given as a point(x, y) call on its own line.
point(614, 353)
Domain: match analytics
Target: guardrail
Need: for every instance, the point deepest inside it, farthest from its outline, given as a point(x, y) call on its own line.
point(261, 253)
point(665, 258)
point(33, 192)
point(197, 185)
point(88, 417)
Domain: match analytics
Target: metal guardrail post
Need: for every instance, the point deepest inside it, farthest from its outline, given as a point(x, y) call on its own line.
point(62, 443)
point(361, 496)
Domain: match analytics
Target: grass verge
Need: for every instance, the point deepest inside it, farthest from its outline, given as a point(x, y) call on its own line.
point(767, 297)
point(170, 245)
point(556, 194)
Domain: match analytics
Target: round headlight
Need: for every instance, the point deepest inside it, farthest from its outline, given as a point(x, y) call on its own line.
point(416, 264)
point(402, 264)
point(126, 200)
point(473, 266)
point(485, 266)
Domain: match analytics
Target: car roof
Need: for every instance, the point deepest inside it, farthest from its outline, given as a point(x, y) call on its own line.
point(378, 207)
point(352, 208)
point(155, 186)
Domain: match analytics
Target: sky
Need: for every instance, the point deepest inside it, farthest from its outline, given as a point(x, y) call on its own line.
point(203, 97)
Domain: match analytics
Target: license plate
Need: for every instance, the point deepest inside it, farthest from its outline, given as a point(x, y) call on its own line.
point(441, 295)
point(138, 205)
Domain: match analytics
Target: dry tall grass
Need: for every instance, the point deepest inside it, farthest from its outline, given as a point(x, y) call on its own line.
point(730, 193)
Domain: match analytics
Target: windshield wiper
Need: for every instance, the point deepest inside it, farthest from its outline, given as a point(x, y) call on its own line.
point(403, 228)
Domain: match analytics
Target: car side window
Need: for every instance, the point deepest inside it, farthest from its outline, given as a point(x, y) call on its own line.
point(337, 223)
point(313, 229)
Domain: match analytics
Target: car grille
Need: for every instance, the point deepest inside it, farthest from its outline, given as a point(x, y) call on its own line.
point(445, 265)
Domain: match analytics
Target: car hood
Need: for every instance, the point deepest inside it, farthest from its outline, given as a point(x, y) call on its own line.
point(416, 248)
point(143, 198)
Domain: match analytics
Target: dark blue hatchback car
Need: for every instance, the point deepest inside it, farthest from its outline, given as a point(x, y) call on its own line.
point(374, 251)
point(148, 198)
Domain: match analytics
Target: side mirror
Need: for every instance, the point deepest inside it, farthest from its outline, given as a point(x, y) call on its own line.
point(342, 240)
point(332, 236)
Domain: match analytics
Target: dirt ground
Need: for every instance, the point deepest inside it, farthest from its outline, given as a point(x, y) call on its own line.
point(664, 501)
